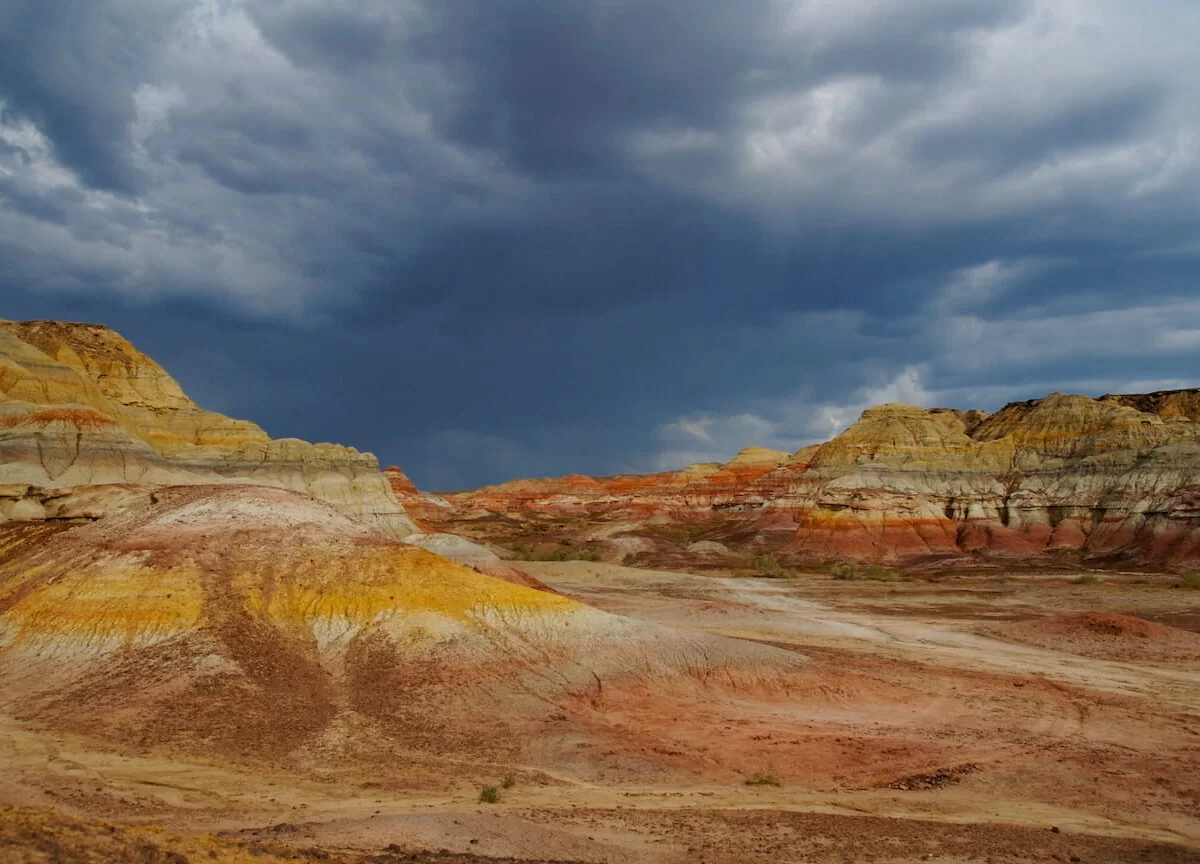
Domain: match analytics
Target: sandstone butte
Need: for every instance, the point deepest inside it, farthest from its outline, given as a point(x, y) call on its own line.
point(83, 412)
point(1057, 480)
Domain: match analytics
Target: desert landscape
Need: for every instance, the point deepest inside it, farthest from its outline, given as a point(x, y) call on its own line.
point(941, 636)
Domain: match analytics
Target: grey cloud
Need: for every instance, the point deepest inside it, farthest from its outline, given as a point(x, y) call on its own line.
point(72, 67)
point(566, 212)
point(336, 39)
point(1007, 143)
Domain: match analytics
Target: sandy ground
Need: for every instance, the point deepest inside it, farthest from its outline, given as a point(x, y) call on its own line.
point(935, 738)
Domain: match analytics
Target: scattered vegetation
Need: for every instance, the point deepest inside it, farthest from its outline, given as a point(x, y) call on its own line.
point(522, 552)
point(768, 564)
point(762, 778)
point(848, 572)
point(508, 782)
point(881, 574)
point(563, 551)
point(489, 795)
point(1190, 581)
point(1086, 579)
point(844, 572)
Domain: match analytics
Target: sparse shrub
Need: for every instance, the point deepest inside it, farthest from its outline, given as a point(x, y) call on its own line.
point(881, 574)
point(768, 564)
point(762, 778)
point(1086, 579)
point(508, 782)
point(522, 552)
point(566, 552)
point(489, 795)
point(1190, 581)
point(845, 572)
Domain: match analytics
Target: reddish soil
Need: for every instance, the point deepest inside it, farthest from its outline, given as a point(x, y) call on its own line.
point(800, 718)
point(1107, 635)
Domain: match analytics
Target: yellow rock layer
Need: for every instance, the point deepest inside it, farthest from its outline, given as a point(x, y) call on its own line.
point(116, 599)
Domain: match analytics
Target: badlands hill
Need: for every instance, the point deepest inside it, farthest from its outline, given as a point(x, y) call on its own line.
point(172, 577)
point(1056, 480)
point(80, 407)
point(254, 623)
point(216, 632)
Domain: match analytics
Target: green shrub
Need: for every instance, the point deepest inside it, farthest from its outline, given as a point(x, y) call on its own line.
point(508, 782)
point(1190, 581)
point(1086, 579)
point(522, 552)
point(567, 552)
point(762, 778)
point(489, 795)
point(844, 572)
point(768, 564)
point(881, 574)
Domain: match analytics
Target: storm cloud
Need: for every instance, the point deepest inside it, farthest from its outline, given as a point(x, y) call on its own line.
point(489, 239)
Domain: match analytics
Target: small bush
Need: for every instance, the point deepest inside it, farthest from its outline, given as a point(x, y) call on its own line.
point(1190, 581)
point(508, 782)
point(522, 552)
point(567, 552)
point(489, 795)
point(845, 572)
point(762, 778)
point(1086, 579)
point(767, 564)
point(881, 574)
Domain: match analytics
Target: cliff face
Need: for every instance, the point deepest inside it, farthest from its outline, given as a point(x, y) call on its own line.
point(1064, 477)
point(1059, 474)
point(80, 406)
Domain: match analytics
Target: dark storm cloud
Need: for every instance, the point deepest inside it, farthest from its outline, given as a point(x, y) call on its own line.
point(605, 235)
point(72, 66)
point(558, 86)
point(1104, 119)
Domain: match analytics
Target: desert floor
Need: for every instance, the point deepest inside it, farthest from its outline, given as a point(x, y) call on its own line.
point(1013, 716)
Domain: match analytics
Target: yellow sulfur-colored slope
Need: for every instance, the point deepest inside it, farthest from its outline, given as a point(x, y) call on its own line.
point(143, 583)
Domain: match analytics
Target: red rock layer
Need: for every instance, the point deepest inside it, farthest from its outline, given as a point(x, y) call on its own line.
point(1064, 477)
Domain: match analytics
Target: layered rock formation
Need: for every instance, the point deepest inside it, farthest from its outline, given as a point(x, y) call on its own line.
point(81, 407)
point(256, 622)
point(1060, 478)
point(421, 507)
point(1059, 474)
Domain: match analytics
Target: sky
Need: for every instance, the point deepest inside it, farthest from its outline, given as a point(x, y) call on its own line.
point(487, 239)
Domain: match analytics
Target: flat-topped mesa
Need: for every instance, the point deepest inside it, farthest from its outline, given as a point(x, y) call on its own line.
point(1048, 480)
point(81, 406)
point(1063, 474)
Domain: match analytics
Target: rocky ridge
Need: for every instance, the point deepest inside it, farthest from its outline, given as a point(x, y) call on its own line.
point(81, 407)
point(1058, 479)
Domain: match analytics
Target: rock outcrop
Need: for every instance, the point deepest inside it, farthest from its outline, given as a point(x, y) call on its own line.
point(1061, 478)
point(421, 507)
point(82, 407)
